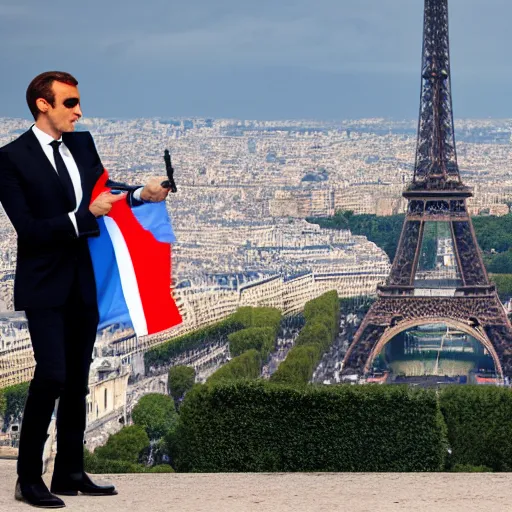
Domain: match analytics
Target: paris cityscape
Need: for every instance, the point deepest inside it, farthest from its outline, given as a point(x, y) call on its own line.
point(245, 191)
point(351, 254)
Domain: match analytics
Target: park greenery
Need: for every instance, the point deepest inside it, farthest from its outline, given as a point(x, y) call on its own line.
point(245, 366)
point(322, 316)
point(494, 236)
point(262, 339)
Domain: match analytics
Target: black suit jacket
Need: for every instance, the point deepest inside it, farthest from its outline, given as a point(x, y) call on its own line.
point(50, 255)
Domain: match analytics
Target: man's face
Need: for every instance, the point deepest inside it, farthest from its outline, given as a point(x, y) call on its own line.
point(62, 116)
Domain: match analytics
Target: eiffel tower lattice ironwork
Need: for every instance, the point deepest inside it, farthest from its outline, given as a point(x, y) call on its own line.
point(457, 293)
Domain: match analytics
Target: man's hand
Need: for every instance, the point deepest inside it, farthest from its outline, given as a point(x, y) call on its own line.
point(103, 203)
point(153, 192)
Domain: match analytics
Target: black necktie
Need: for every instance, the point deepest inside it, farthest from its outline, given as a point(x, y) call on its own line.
point(63, 172)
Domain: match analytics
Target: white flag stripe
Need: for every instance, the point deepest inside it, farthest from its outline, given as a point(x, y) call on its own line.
point(128, 280)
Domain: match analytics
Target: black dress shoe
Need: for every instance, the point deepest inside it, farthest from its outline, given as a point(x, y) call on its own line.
point(37, 494)
point(71, 485)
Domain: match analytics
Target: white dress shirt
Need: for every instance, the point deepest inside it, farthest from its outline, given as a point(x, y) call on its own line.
point(45, 140)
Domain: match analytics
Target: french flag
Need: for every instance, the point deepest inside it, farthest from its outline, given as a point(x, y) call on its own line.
point(132, 266)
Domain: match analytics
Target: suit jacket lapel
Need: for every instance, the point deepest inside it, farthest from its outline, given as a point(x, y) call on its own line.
point(37, 151)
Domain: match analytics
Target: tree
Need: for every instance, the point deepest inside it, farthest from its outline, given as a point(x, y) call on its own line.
point(127, 445)
point(14, 399)
point(503, 284)
point(315, 333)
point(259, 338)
point(245, 366)
point(156, 414)
point(180, 380)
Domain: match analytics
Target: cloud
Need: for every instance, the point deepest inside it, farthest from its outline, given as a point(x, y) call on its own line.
point(248, 44)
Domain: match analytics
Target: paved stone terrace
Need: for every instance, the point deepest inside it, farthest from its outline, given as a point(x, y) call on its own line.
point(287, 492)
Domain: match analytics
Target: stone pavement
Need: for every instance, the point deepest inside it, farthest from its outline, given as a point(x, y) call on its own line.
point(287, 492)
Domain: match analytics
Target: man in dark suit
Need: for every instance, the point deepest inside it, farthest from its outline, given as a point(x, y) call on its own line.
point(46, 179)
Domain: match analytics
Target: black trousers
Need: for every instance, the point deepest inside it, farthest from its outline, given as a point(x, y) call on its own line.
point(63, 339)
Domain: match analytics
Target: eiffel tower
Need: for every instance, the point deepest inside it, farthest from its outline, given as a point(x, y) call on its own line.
point(435, 280)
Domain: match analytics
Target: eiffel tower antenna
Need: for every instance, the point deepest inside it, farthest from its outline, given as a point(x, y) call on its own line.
point(436, 157)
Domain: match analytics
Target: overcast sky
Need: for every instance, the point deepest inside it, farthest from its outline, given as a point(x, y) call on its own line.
point(258, 59)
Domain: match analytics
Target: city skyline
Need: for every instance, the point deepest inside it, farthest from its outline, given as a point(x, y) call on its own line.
point(245, 61)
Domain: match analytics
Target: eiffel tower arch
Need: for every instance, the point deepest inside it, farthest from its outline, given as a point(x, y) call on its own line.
point(438, 275)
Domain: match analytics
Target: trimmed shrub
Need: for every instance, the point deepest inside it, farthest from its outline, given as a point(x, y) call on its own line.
point(299, 366)
point(156, 414)
point(180, 380)
point(258, 426)
point(314, 334)
point(266, 317)
point(263, 339)
point(479, 420)
point(243, 316)
point(327, 303)
point(245, 366)
point(128, 445)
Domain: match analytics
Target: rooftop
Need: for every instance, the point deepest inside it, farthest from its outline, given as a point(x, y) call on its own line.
point(286, 492)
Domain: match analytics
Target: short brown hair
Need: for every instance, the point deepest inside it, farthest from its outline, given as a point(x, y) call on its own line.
point(41, 87)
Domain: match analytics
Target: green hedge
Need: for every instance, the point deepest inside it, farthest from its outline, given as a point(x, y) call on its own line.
point(315, 334)
point(299, 366)
point(245, 366)
point(479, 420)
point(249, 316)
point(322, 325)
point(327, 303)
point(162, 354)
point(258, 426)
point(263, 339)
